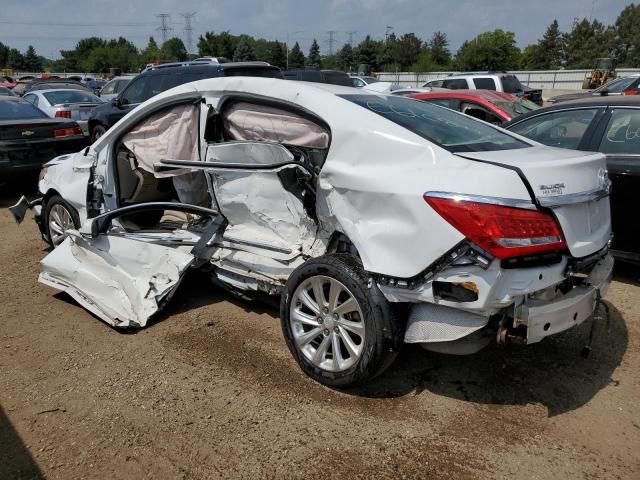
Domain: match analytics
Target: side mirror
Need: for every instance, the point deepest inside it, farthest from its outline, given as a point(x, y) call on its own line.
point(116, 102)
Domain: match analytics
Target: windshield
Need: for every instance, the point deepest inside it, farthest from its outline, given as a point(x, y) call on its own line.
point(450, 130)
point(20, 110)
point(71, 96)
point(517, 107)
point(511, 84)
point(370, 79)
point(616, 86)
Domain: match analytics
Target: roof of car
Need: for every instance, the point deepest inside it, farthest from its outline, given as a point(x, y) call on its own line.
point(602, 101)
point(53, 90)
point(489, 95)
point(158, 69)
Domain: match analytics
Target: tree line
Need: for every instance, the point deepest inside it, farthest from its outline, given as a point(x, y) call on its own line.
point(495, 50)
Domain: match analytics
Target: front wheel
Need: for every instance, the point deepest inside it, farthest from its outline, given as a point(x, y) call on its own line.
point(59, 217)
point(336, 323)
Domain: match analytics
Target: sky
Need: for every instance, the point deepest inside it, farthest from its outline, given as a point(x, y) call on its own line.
point(52, 25)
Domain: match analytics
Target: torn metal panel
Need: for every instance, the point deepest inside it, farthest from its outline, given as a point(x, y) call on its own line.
point(121, 281)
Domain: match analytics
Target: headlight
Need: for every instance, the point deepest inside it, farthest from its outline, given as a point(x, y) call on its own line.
point(43, 173)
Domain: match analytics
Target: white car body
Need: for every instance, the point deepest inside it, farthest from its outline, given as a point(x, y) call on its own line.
point(368, 191)
point(77, 111)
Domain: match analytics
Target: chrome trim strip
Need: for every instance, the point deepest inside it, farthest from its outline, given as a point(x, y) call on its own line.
point(573, 198)
point(505, 202)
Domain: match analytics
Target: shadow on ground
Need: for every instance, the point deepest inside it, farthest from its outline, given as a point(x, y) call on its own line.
point(13, 188)
point(15, 460)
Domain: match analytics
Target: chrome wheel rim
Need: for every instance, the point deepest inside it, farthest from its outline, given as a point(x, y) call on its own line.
point(60, 220)
point(327, 323)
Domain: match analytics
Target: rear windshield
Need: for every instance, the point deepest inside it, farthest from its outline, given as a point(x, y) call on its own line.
point(78, 96)
point(448, 129)
point(10, 110)
point(511, 84)
point(617, 86)
point(252, 72)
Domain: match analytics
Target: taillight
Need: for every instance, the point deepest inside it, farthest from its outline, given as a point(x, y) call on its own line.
point(631, 92)
point(67, 132)
point(504, 232)
point(63, 114)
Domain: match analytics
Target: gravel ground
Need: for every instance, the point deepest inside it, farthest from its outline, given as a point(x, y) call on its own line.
point(209, 390)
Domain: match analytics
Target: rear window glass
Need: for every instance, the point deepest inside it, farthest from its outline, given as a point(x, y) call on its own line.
point(252, 72)
point(517, 107)
point(447, 129)
point(511, 84)
point(484, 83)
point(12, 110)
point(70, 97)
point(617, 86)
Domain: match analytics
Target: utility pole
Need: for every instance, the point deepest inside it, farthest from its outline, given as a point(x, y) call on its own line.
point(164, 27)
point(386, 33)
point(351, 34)
point(331, 40)
point(188, 30)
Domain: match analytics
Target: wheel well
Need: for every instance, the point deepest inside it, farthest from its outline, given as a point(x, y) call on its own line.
point(340, 243)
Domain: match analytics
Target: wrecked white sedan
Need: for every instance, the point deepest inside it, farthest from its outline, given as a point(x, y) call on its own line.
point(379, 220)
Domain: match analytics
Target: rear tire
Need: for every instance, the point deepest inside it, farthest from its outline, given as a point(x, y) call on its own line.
point(347, 337)
point(59, 217)
point(97, 132)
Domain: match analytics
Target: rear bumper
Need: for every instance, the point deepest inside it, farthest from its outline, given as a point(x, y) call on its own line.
point(545, 318)
point(19, 157)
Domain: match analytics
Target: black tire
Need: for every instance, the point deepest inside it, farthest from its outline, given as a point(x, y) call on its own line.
point(48, 207)
point(382, 336)
point(96, 132)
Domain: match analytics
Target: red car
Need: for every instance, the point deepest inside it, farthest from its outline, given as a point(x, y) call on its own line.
point(7, 82)
point(488, 105)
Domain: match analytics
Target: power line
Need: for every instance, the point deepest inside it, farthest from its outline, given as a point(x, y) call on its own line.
point(188, 29)
point(331, 40)
point(164, 27)
point(101, 24)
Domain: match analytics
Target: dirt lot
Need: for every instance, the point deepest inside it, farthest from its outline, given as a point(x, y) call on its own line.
point(210, 390)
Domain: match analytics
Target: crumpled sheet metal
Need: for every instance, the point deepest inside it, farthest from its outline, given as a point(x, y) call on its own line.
point(122, 282)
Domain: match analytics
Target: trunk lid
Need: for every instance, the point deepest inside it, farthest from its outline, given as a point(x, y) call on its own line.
point(32, 129)
point(573, 184)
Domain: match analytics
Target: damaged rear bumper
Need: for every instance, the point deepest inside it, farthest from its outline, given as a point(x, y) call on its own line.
point(530, 319)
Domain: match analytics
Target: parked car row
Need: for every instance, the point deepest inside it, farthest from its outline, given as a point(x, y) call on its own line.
point(377, 219)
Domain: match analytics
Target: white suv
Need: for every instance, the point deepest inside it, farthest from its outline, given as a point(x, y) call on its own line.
point(500, 82)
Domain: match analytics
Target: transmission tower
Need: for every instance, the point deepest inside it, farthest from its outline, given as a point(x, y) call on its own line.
point(164, 27)
point(331, 40)
point(386, 33)
point(188, 29)
point(351, 34)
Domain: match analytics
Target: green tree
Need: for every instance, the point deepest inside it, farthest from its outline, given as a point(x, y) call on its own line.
point(15, 59)
point(174, 49)
point(551, 52)
point(408, 51)
point(218, 45)
point(345, 58)
point(494, 50)
point(627, 37)
point(151, 52)
point(367, 52)
point(277, 54)
point(4, 55)
point(244, 51)
point(313, 60)
point(71, 59)
point(529, 57)
point(388, 53)
point(439, 49)
point(424, 63)
point(31, 60)
point(296, 57)
point(586, 42)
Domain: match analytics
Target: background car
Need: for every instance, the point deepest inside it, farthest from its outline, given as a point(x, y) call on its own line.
point(487, 105)
point(54, 84)
point(28, 138)
point(7, 82)
point(93, 84)
point(163, 77)
point(334, 77)
point(6, 92)
point(500, 82)
point(114, 87)
point(360, 82)
point(74, 104)
point(620, 86)
point(610, 125)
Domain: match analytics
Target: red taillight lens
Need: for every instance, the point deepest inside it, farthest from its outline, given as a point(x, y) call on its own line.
point(67, 132)
point(631, 92)
point(504, 232)
point(63, 114)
